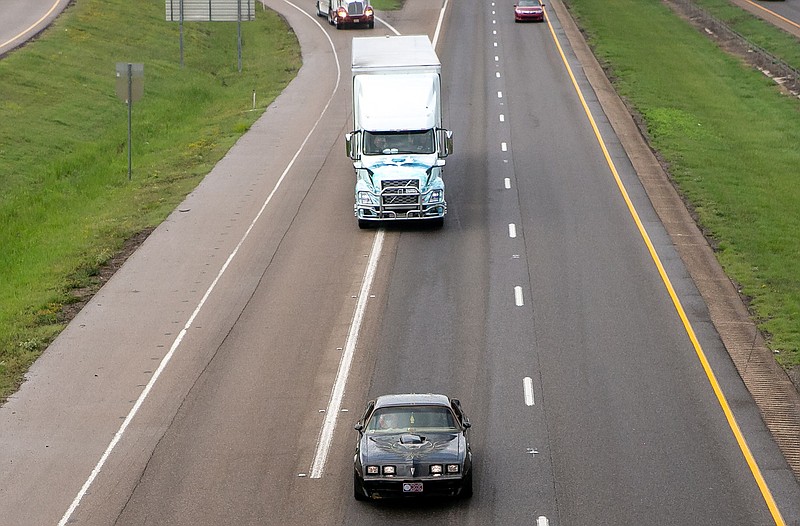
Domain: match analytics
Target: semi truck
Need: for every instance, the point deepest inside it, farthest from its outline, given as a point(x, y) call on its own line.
point(398, 145)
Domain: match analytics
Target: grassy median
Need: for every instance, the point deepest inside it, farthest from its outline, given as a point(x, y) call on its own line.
point(730, 138)
point(66, 204)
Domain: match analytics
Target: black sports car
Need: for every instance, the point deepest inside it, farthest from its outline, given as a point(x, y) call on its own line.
point(412, 445)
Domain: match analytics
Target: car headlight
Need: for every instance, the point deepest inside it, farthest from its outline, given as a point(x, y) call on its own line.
point(372, 470)
point(389, 470)
point(436, 469)
point(453, 468)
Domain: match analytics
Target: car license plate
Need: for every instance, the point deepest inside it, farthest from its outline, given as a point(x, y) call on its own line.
point(412, 487)
point(356, 20)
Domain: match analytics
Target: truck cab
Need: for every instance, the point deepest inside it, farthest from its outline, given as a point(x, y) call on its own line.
point(398, 144)
point(344, 13)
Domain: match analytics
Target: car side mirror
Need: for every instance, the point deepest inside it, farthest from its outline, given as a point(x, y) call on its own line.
point(359, 427)
point(467, 424)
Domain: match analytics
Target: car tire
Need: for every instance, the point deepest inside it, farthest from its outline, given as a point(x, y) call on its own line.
point(466, 487)
point(358, 489)
point(371, 25)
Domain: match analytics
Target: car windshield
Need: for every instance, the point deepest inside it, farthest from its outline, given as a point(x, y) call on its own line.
point(411, 419)
point(528, 3)
point(377, 143)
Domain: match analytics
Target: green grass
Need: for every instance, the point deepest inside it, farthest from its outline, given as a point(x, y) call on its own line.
point(387, 5)
point(730, 138)
point(66, 205)
point(761, 33)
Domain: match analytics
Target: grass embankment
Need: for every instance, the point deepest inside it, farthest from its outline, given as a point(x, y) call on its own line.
point(387, 5)
point(730, 138)
point(66, 205)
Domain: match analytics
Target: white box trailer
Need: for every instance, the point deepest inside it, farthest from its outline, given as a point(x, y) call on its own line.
point(398, 144)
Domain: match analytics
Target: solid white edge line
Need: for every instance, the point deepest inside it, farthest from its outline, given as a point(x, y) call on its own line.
point(176, 343)
point(337, 393)
point(527, 388)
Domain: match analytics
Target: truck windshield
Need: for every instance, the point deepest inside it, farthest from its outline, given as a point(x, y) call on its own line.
point(377, 143)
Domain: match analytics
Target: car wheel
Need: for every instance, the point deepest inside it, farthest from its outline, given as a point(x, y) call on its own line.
point(466, 486)
point(371, 25)
point(338, 25)
point(358, 488)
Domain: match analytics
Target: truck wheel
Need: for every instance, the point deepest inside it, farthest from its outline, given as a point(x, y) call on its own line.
point(436, 223)
point(363, 224)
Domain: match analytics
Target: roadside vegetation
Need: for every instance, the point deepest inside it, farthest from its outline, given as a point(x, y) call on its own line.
point(729, 137)
point(387, 5)
point(66, 204)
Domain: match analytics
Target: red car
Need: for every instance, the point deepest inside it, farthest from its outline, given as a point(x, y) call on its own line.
point(528, 11)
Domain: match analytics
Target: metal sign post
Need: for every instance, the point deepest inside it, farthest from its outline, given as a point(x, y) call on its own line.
point(130, 87)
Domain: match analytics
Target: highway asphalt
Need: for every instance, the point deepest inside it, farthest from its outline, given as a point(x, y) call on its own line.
point(22, 20)
point(193, 389)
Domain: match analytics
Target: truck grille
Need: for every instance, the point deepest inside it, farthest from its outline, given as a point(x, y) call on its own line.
point(355, 8)
point(400, 193)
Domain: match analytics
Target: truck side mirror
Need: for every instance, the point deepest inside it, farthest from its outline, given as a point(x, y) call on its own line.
point(446, 141)
point(351, 145)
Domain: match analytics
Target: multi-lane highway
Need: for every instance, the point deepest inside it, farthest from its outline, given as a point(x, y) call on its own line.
point(195, 387)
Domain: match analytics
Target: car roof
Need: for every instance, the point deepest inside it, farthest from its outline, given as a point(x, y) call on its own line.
point(412, 399)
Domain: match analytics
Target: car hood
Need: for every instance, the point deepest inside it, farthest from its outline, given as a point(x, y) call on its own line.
point(528, 9)
point(412, 447)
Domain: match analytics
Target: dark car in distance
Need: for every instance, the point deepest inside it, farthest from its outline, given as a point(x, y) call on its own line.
point(412, 445)
point(528, 11)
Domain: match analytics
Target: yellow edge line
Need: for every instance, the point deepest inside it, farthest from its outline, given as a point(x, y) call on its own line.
point(49, 12)
point(773, 13)
point(751, 462)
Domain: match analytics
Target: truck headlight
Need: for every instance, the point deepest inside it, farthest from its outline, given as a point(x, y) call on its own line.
point(435, 196)
point(389, 470)
point(453, 468)
point(372, 470)
point(364, 198)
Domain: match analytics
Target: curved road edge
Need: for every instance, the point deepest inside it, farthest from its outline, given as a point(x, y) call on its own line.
point(23, 20)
